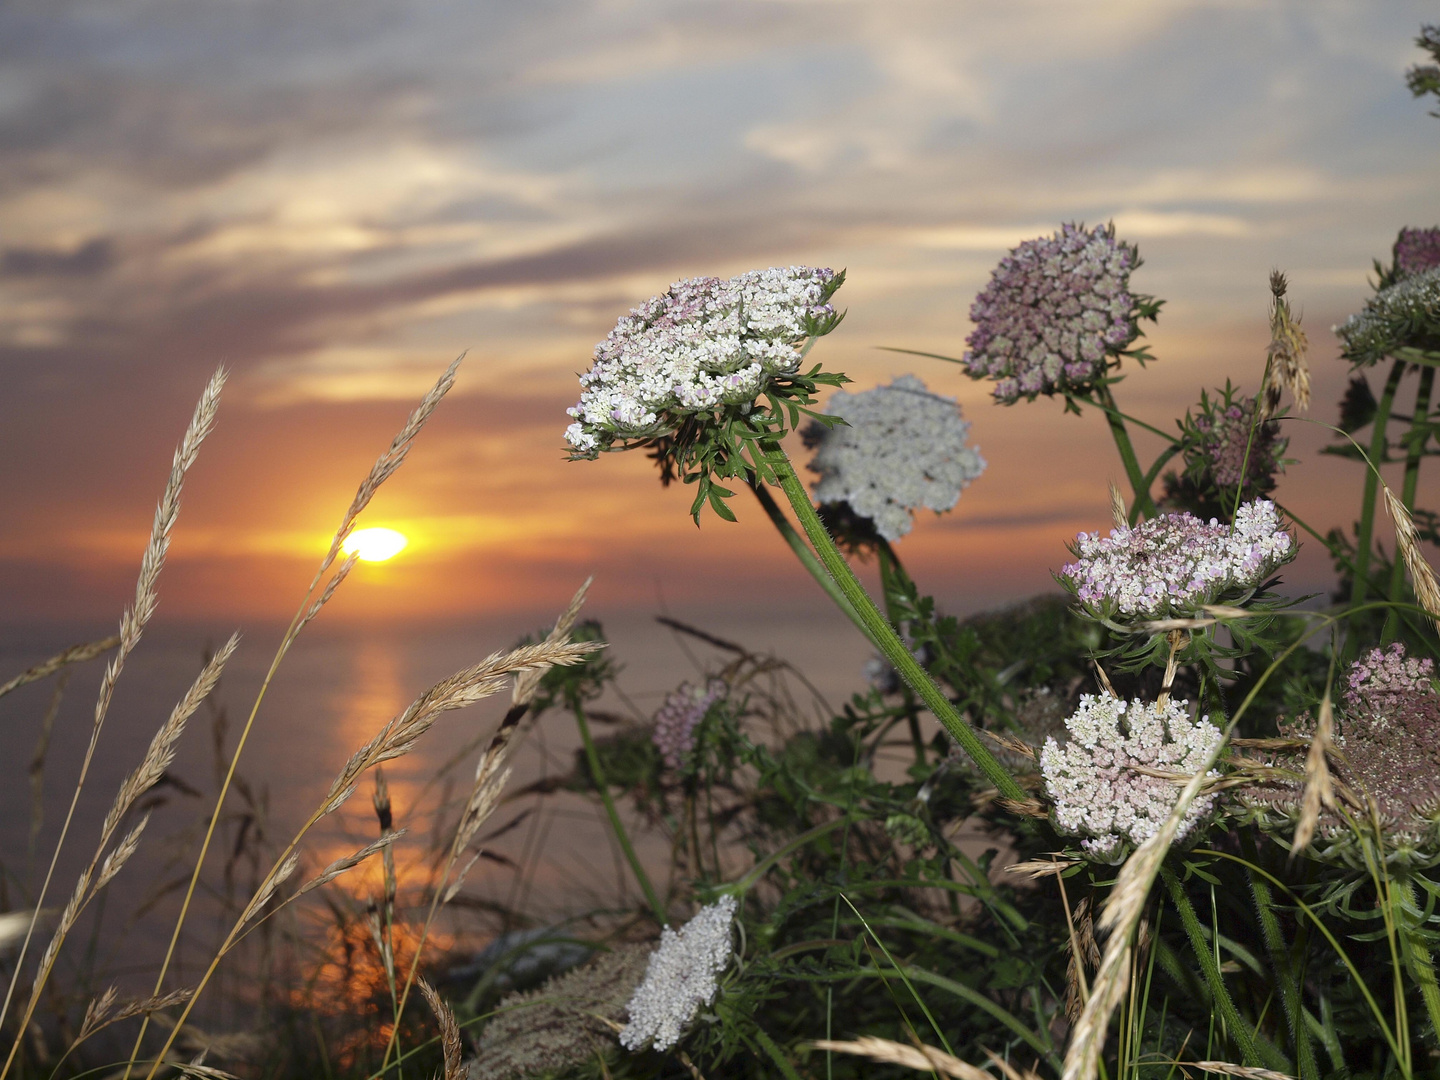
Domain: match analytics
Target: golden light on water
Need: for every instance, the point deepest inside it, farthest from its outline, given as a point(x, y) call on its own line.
point(375, 545)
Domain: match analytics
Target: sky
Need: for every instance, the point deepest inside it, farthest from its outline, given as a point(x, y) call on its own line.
point(334, 199)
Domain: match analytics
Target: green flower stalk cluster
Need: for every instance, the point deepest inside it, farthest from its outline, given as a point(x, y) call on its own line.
point(1225, 452)
point(1405, 315)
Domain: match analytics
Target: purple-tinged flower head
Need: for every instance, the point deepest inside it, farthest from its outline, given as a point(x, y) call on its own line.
point(1226, 444)
point(1097, 781)
point(681, 714)
point(1054, 309)
point(1224, 450)
point(1417, 250)
point(1385, 765)
point(704, 345)
point(902, 448)
point(1403, 315)
point(1175, 563)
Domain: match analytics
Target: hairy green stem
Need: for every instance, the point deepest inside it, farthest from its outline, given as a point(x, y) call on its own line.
point(597, 774)
point(1238, 1029)
point(1413, 948)
point(880, 631)
point(1121, 435)
point(1280, 964)
point(1372, 484)
point(1416, 439)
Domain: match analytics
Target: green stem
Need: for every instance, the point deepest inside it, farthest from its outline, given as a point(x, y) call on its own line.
point(1238, 1029)
point(597, 773)
point(807, 557)
point(1121, 435)
point(891, 575)
point(1415, 951)
point(775, 1054)
point(1280, 963)
point(1372, 483)
point(879, 629)
point(1418, 436)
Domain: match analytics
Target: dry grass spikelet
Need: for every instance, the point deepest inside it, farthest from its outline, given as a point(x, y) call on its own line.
point(346, 863)
point(1118, 513)
point(921, 1058)
point(1319, 785)
point(449, 1031)
point(75, 654)
point(1285, 356)
point(1227, 1068)
point(1423, 578)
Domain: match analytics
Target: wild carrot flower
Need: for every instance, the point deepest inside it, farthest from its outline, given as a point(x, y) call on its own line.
point(681, 714)
point(1224, 450)
point(1054, 308)
point(902, 448)
point(1175, 563)
point(1405, 314)
point(1096, 781)
point(680, 978)
point(1417, 250)
point(1385, 763)
point(703, 345)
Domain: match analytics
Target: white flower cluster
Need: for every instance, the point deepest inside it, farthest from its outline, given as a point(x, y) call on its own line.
point(1406, 313)
point(680, 978)
point(1093, 783)
point(904, 448)
point(704, 343)
point(1176, 562)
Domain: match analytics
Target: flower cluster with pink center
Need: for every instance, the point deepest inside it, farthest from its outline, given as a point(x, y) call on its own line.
point(1053, 309)
point(1175, 563)
point(1417, 250)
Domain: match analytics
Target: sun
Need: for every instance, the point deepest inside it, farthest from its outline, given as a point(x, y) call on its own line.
point(375, 545)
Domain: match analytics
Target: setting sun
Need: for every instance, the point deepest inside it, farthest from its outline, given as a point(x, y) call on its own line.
point(375, 545)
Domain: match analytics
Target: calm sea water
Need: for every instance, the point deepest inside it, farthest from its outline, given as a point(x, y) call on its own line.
point(551, 856)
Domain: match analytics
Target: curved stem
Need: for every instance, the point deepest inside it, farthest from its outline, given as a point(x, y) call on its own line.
point(1416, 439)
point(597, 774)
point(1372, 483)
point(892, 574)
point(1121, 435)
point(807, 557)
point(880, 630)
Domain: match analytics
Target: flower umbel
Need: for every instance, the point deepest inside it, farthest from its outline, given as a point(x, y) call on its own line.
point(1096, 782)
point(683, 372)
point(1417, 250)
point(684, 708)
point(902, 448)
point(1403, 315)
point(1175, 563)
point(680, 978)
point(1054, 309)
point(1224, 450)
point(1386, 763)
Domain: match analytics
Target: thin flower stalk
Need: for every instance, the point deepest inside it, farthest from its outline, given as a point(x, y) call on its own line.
point(881, 632)
point(132, 625)
point(1415, 441)
point(1365, 538)
point(310, 605)
point(1139, 483)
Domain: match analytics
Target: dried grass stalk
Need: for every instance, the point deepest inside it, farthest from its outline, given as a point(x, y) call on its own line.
point(1285, 356)
point(449, 1031)
point(267, 889)
point(1249, 1072)
point(1084, 954)
point(1319, 785)
point(1038, 868)
point(1118, 514)
point(1011, 1073)
point(75, 654)
point(1421, 576)
point(1121, 917)
point(921, 1058)
point(347, 863)
point(132, 623)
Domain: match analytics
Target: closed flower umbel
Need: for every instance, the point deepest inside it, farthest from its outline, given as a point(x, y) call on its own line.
point(1054, 308)
point(1404, 315)
point(1417, 250)
point(902, 448)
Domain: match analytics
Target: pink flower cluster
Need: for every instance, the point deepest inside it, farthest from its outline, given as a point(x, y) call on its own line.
point(681, 714)
point(1224, 439)
point(1379, 678)
point(1175, 563)
point(1417, 250)
point(1053, 309)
